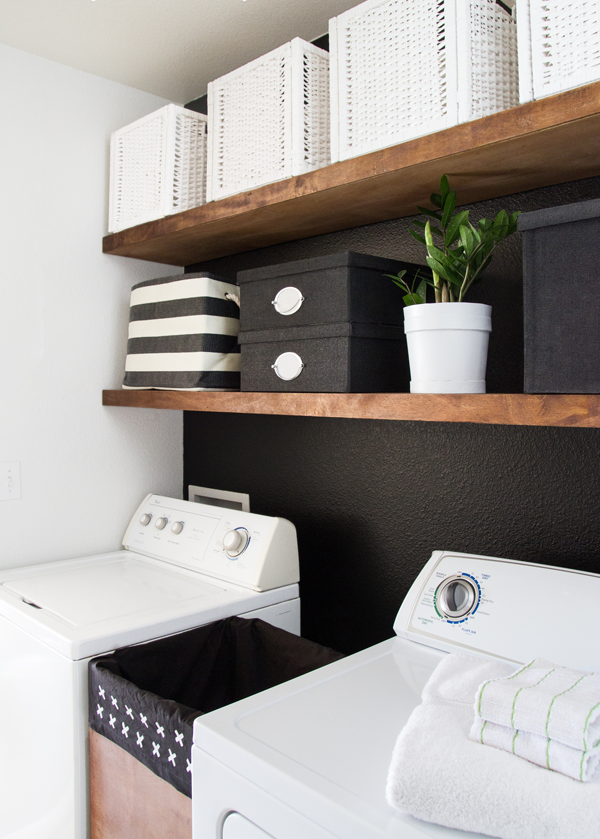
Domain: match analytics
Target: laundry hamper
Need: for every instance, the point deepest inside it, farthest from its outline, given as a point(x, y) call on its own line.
point(268, 120)
point(405, 69)
point(559, 46)
point(183, 334)
point(142, 704)
point(157, 167)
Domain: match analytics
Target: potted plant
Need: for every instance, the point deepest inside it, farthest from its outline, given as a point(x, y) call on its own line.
point(448, 340)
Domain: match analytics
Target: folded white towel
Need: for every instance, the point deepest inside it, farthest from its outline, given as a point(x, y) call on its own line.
point(439, 775)
point(541, 698)
point(548, 753)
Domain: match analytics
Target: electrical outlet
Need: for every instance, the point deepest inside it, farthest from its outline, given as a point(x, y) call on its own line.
point(10, 480)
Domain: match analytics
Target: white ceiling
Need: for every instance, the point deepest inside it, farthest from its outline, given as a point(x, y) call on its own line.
point(171, 48)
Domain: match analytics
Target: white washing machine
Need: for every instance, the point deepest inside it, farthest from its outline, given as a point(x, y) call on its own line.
point(309, 759)
point(183, 565)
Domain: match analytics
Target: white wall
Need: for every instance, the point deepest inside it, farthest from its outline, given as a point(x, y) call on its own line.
point(63, 320)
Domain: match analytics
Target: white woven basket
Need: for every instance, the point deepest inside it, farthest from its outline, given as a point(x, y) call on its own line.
point(405, 68)
point(268, 120)
point(559, 46)
point(157, 167)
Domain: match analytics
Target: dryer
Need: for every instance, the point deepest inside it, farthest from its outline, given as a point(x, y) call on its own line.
point(309, 759)
point(182, 565)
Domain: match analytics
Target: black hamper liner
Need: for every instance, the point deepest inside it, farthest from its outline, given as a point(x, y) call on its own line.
point(145, 698)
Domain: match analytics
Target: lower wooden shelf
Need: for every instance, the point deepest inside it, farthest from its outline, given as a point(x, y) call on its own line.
point(574, 410)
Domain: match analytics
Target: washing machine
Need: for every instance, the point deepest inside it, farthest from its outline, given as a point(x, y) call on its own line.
point(182, 565)
point(309, 759)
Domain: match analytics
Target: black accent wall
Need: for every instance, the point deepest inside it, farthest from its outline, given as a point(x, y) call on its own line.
point(372, 499)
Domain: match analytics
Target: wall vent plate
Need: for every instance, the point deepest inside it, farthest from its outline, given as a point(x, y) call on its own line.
point(219, 498)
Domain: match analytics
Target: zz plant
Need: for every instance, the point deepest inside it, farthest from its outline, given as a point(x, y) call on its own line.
point(460, 251)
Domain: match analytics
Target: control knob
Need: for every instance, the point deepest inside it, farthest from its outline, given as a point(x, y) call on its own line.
point(457, 597)
point(161, 523)
point(236, 541)
point(145, 518)
point(177, 527)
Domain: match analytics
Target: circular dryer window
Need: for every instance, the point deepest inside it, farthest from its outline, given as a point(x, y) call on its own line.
point(288, 366)
point(288, 300)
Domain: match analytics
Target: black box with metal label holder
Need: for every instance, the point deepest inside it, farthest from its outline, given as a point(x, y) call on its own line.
point(331, 324)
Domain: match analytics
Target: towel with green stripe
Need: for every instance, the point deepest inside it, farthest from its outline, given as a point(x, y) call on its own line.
point(546, 714)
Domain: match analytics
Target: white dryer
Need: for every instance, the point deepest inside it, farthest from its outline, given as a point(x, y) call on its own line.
point(309, 759)
point(183, 565)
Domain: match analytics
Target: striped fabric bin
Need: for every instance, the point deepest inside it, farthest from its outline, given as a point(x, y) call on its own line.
point(183, 334)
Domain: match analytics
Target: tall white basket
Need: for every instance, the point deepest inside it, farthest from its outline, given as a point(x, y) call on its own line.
point(268, 120)
point(405, 68)
point(559, 46)
point(157, 167)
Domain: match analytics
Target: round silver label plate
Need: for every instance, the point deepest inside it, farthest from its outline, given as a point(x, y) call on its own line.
point(288, 366)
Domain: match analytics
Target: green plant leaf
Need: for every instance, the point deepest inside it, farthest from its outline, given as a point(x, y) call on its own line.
point(436, 200)
point(433, 229)
point(444, 187)
point(466, 237)
point(422, 290)
point(416, 236)
point(452, 233)
point(430, 213)
point(449, 207)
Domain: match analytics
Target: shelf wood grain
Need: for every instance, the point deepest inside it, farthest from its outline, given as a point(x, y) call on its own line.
point(575, 410)
point(551, 141)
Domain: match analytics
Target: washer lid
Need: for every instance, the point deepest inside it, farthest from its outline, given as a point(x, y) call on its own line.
point(84, 607)
point(83, 594)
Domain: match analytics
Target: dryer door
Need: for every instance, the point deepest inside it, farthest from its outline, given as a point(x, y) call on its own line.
point(237, 827)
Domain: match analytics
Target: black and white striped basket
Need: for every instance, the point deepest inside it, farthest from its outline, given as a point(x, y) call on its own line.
point(183, 334)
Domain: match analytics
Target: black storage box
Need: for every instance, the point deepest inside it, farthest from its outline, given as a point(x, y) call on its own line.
point(145, 698)
point(561, 298)
point(339, 315)
point(338, 288)
point(335, 358)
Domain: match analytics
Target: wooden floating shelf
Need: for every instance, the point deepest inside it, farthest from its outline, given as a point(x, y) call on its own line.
point(581, 411)
point(551, 141)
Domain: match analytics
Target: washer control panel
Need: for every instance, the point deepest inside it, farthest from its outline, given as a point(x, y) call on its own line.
point(258, 552)
point(500, 607)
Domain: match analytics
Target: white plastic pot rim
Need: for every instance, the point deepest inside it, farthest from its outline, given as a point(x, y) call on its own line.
point(426, 316)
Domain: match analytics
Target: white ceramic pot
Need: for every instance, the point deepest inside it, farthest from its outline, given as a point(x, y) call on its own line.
point(447, 346)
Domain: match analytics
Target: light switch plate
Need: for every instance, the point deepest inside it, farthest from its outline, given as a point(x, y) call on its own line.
point(10, 480)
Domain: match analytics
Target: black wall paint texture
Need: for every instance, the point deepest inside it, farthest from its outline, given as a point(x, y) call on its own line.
point(372, 499)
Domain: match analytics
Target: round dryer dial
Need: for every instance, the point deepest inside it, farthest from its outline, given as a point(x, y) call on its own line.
point(457, 597)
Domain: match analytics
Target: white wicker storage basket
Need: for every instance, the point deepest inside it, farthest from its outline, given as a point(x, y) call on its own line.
point(559, 46)
point(268, 120)
point(403, 69)
point(157, 167)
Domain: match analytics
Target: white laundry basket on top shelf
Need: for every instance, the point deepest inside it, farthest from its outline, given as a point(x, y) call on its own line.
point(405, 68)
point(559, 46)
point(157, 167)
point(268, 120)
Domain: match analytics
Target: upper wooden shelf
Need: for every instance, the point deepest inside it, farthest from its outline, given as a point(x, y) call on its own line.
point(551, 141)
point(575, 410)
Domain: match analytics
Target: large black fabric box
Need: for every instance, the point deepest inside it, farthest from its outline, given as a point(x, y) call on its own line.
point(337, 358)
point(145, 698)
point(562, 298)
point(340, 287)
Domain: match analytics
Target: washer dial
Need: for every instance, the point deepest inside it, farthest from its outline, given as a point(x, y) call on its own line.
point(235, 542)
point(145, 519)
point(161, 523)
point(457, 597)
